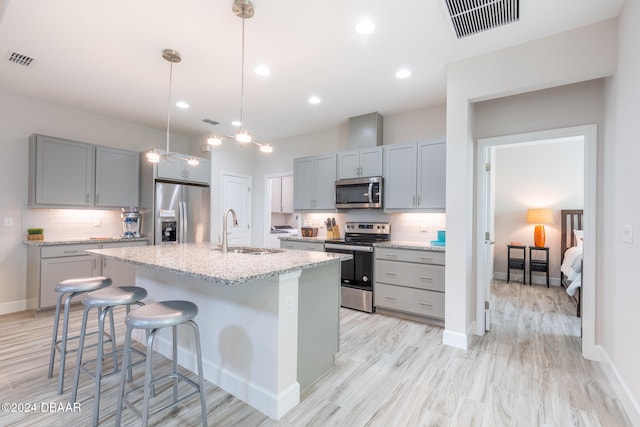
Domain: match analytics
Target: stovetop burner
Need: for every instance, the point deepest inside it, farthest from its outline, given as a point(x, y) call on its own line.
point(365, 233)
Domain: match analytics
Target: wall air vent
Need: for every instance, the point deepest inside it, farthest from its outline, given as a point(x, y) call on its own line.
point(211, 122)
point(474, 16)
point(20, 59)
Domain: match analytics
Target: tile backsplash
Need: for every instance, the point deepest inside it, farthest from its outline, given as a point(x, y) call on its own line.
point(63, 224)
point(408, 227)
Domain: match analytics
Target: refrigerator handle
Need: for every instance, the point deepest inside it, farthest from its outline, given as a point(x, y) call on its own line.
point(181, 222)
point(183, 234)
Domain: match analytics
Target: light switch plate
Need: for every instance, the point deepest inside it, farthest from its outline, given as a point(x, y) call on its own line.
point(8, 222)
point(627, 233)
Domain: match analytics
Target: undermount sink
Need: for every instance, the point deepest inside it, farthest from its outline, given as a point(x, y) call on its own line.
point(250, 251)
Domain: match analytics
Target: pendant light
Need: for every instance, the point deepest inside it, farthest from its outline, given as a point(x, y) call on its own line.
point(242, 9)
point(173, 57)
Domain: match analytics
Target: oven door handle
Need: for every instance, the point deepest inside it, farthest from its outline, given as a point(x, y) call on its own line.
point(348, 247)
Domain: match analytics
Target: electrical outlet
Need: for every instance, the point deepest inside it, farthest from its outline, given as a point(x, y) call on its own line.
point(288, 304)
point(424, 228)
point(97, 222)
point(627, 233)
point(8, 222)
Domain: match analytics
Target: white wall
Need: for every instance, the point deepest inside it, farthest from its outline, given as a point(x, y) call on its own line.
point(21, 117)
point(579, 55)
point(619, 292)
point(537, 175)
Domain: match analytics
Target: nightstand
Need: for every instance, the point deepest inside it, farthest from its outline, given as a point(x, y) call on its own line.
point(539, 264)
point(516, 261)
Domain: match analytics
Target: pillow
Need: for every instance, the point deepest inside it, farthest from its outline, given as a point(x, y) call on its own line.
point(579, 237)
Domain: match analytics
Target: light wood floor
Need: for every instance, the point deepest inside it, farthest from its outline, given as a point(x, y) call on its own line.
point(526, 372)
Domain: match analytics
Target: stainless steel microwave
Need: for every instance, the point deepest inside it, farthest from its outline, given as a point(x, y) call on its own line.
point(359, 193)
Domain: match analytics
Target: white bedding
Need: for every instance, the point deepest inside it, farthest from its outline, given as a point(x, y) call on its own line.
point(572, 268)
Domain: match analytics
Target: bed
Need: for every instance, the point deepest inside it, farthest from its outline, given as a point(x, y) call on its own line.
point(571, 241)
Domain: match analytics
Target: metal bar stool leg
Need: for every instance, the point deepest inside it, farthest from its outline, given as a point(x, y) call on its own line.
point(54, 338)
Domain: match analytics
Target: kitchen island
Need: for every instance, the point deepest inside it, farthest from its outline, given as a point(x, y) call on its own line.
point(269, 322)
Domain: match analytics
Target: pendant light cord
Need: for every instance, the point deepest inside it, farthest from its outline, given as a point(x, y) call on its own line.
point(242, 82)
point(169, 107)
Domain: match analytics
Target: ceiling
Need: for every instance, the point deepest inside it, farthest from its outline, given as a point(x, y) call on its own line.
point(106, 57)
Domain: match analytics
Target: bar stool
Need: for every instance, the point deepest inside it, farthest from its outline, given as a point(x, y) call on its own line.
point(71, 288)
point(154, 317)
point(104, 300)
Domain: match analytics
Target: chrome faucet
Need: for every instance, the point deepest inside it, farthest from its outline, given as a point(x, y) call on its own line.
point(225, 233)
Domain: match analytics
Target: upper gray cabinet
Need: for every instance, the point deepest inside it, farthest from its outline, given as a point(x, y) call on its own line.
point(314, 183)
point(117, 177)
point(75, 174)
point(415, 176)
point(60, 172)
point(364, 162)
point(178, 169)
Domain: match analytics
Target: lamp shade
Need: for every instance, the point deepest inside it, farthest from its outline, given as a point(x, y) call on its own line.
point(539, 216)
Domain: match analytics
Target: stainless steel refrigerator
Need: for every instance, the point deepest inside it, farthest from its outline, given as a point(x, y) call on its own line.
point(181, 213)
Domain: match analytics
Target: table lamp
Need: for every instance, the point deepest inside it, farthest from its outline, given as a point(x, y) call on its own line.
point(539, 217)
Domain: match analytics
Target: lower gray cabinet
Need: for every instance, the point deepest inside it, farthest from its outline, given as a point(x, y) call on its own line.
point(409, 281)
point(302, 245)
point(48, 265)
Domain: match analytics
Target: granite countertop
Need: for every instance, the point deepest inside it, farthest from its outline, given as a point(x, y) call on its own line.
point(426, 246)
point(304, 239)
point(392, 244)
point(82, 241)
point(202, 261)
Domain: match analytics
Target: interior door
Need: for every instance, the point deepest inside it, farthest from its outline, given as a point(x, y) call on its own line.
point(486, 227)
point(236, 194)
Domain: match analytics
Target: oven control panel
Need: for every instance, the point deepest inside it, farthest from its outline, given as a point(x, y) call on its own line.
point(368, 227)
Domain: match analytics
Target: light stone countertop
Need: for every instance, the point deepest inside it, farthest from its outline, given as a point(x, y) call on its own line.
point(200, 260)
point(424, 246)
point(304, 239)
point(82, 241)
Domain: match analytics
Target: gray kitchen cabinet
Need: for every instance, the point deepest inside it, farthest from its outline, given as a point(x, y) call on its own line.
point(177, 169)
point(48, 265)
point(302, 245)
point(314, 183)
point(282, 194)
point(117, 177)
point(121, 273)
point(60, 172)
point(415, 176)
point(365, 162)
point(410, 281)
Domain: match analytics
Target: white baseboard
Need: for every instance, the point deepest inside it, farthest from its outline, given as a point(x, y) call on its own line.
point(455, 339)
point(273, 406)
point(629, 403)
point(13, 306)
point(537, 279)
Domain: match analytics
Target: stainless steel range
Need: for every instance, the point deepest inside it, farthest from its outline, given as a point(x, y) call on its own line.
point(357, 273)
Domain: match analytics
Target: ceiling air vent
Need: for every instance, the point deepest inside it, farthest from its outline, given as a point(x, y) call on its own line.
point(210, 121)
point(474, 16)
point(20, 59)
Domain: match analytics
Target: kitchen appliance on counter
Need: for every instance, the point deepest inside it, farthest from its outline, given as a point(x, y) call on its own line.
point(357, 273)
point(284, 229)
point(359, 193)
point(131, 222)
point(181, 213)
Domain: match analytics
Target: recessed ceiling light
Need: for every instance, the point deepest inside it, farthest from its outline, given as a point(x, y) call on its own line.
point(262, 70)
point(314, 100)
point(365, 27)
point(236, 123)
point(182, 104)
point(403, 73)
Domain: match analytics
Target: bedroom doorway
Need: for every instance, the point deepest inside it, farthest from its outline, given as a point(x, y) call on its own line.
point(485, 223)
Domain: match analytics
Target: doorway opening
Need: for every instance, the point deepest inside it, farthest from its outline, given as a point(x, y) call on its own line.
point(486, 229)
